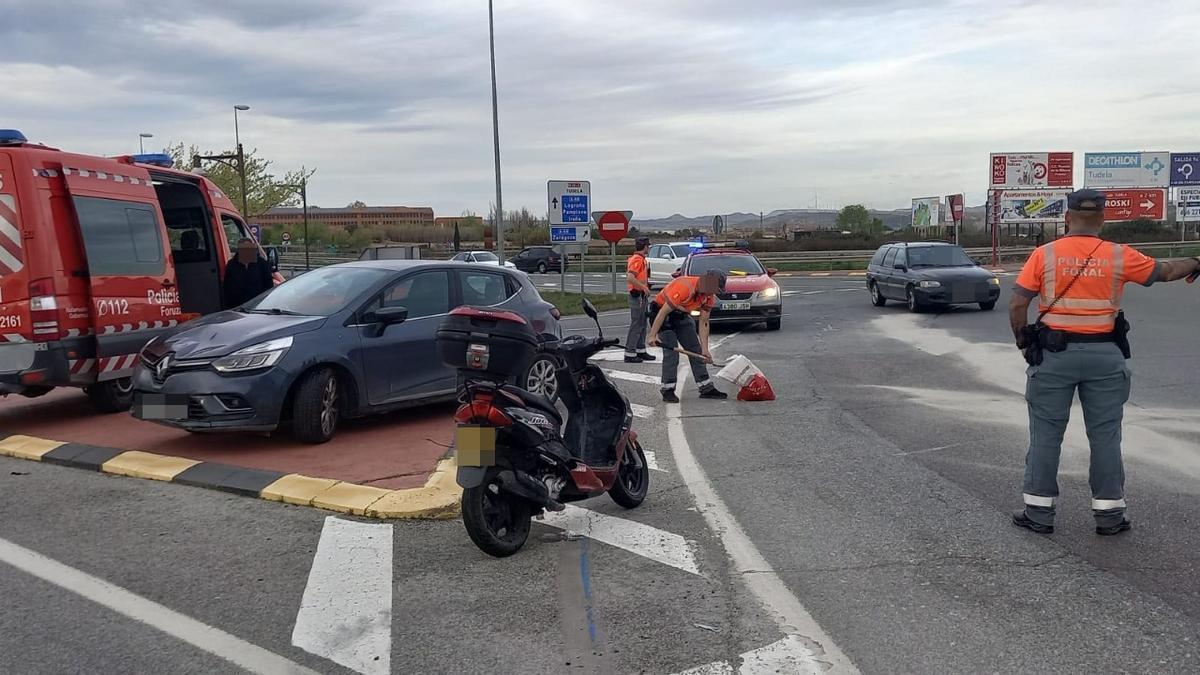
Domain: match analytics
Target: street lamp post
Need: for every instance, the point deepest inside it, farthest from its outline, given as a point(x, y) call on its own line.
point(141, 144)
point(241, 156)
point(302, 188)
point(499, 220)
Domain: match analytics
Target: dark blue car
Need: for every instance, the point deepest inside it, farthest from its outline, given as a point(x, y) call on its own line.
point(340, 341)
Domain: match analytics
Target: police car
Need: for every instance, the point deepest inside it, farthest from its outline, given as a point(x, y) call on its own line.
point(750, 296)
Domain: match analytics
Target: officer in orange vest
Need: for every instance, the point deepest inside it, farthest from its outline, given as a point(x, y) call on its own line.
point(1078, 343)
point(637, 278)
point(672, 310)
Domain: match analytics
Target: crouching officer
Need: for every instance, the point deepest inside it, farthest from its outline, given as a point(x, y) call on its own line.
point(672, 310)
point(637, 278)
point(1079, 343)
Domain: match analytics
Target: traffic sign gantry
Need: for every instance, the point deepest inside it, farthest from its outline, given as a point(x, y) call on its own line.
point(1185, 168)
point(613, 225)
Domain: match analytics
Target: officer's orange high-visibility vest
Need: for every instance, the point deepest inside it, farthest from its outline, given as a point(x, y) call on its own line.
point(641, 270)
point(1091, 304)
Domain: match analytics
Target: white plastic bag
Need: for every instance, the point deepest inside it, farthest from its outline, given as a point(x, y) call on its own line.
point(739, 370)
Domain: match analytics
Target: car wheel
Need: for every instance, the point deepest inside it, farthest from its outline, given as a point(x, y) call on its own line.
point(877, 298)
point(541, 378)
point(541, 268)
point(987, 306)
point(113, 396)
point(775, 324)
point(913, 304)
point(316, 407)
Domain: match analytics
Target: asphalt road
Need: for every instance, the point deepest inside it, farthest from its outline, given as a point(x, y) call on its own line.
point(864, 513)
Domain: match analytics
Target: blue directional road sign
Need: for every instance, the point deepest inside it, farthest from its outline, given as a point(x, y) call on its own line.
point(1185, 168)
point(255, 232)
point(562, 234)
point(575, 208)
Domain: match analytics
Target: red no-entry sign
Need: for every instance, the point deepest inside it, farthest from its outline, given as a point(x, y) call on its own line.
point(613, 225)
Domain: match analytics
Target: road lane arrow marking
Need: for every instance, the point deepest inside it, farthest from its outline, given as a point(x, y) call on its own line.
point(788, 655)
point(649, 542)
point(346, 612)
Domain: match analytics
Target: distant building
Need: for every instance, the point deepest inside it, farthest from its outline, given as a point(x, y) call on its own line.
point(349, 218)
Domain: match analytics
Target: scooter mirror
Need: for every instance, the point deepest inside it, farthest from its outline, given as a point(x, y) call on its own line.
point(590, 309)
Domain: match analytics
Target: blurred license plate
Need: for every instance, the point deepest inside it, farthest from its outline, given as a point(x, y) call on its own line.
point(161, 406)
point(475, 446)
point(735, 305)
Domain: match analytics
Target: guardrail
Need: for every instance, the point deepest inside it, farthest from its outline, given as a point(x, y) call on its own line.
point(292, 263)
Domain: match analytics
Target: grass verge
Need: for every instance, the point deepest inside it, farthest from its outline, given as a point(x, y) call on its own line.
point(570, 304)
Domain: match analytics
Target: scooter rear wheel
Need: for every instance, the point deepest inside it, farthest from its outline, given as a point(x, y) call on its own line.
point(497, 522)
point(633, 478)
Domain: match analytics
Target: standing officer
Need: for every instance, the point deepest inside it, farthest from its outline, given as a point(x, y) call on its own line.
point(637, 278)
point(1079, 343)
point(672, 309)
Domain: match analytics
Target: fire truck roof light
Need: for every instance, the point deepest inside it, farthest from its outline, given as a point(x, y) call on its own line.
point(157, 159)
point(12, 137)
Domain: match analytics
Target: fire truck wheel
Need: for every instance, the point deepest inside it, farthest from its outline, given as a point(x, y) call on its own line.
point(111, 397)
point(316, 406)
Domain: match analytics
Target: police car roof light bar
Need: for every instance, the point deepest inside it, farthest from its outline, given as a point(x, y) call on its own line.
point(12, 137)
point(155, 159)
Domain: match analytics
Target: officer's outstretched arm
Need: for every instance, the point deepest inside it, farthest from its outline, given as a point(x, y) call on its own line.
point(1174, 270)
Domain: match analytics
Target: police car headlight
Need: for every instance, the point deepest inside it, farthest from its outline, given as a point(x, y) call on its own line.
point(929, 284)
point(695, 312)
point(768, 293)
point(995, 281)
point(261, 355)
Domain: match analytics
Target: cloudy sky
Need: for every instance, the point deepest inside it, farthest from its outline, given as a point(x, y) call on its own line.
point(691, 106)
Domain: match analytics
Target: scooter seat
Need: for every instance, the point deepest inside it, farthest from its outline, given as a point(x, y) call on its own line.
point(541, 403)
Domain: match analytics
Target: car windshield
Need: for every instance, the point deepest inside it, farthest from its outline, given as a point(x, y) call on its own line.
point(681, 250)
point(484, 256)
point(938, 256)
point(320, 292)
point(736, 265)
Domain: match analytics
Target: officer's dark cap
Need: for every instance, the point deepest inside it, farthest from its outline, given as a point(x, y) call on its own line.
point(641, 243)
point(1090, 201)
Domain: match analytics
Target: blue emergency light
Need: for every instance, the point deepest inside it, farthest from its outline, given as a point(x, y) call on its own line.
point(12, 137)
point(156, 159)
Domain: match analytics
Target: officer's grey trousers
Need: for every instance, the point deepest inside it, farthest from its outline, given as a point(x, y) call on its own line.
point(680, 330)
point(1098, 372)
point(635, 343)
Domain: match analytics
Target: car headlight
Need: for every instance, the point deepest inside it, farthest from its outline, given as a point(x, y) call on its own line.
point(928, 283)
point(261, 355)
point(995, 281)
point(768, 293)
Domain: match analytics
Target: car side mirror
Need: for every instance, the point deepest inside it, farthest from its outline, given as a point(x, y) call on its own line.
point(677, 273)
point(386, 316)
point(771, 271)
point(902, 268)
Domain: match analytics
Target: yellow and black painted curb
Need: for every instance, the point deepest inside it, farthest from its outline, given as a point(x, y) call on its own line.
point(438, 499)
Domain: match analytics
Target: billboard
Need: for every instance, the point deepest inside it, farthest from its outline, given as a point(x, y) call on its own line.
point(1126, 169)
point(1185, 168)
point(1133, 204)
point(925, 211)
point(1033, 169)
point(1033, 206)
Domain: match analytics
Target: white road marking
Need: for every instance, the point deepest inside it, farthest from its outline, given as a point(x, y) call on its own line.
point(788, 655)
point(643, 412)
point(633, 377)
point(821, 655)
point(658, 545)
point(619, 354)
point(814, 292)
point(202, 636)
point(848, 290)
point(652, 460)
point(346, 613)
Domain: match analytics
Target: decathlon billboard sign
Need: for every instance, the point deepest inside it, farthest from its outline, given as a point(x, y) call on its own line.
point(1127, 169)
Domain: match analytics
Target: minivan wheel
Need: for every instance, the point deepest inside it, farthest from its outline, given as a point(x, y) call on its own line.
point(112, 396)
point(541, 268)
point(316, 407)
point(913, 305)
point(877, 298)
point(987, 306)
point(542, 378)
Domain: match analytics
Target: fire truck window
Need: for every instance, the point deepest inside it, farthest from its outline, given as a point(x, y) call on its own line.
point(234, 231)
point(121, 238)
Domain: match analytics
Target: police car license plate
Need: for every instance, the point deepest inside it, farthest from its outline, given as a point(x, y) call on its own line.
point(735, 305)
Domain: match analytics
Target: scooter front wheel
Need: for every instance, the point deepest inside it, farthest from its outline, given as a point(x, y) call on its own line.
point(633, 478)
point(497, 522)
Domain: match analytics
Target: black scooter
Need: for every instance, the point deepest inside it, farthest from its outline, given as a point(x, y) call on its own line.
point(517, 461)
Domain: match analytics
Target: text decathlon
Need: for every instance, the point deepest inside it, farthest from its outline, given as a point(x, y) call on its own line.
point(1132, 160)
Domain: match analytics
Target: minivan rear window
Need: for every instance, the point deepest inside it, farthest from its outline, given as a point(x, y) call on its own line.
point(121, 238)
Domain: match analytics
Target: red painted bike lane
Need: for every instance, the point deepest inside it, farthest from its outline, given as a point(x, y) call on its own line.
point(393, 451)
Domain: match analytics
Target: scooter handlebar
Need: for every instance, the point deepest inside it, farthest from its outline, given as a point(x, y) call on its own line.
point(611, 342)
